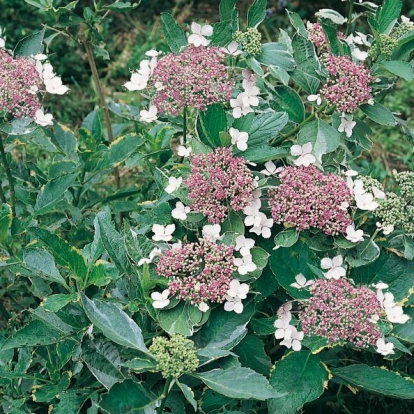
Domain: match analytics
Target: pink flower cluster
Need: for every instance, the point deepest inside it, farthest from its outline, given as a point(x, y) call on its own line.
point(219, 179)
point(337, 311)
point(317, 36)
point(198, 272)
point(347, 86)
point(195, 78)
point(306, 198)
point(19, 84)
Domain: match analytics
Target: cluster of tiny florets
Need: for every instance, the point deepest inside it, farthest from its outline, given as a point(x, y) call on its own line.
point(250, 40)
point(317, 36)
point(219, 179)
point(19, 84)
point(195, 78)
point(370, 182)
point(174, 356)
point(348, 84)
point(339, 311)
point(198, 272)
point(405, 180)
point(306, 198)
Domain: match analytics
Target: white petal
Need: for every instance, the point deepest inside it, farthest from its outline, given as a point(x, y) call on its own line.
point(296, 150)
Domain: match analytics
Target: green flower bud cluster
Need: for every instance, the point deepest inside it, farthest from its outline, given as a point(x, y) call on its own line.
point(405, 181)
point(174, 356)
point(402, 29)
point(370, 182)
point(250, 40)
point(391, 210)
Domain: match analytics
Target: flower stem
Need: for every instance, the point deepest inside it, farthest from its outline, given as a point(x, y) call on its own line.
point(2, 195)
point(350, 11)
point(165, 391)
point(9, 179)
point(98, 86)
point(293, 131)
point(185, 125)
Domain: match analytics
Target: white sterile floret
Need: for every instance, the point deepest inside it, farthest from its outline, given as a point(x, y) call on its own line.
point(378, 193)
point(203, 307)
point(270, 169)
point(232, 49)
point(252, 213)
point(304, 154)
point(55, 86)
point(285, 310)
point(334, 265)
point(346, 126)
point(235, 294)
point(301, 282)
point(150, 115)
point(353, 235)
point(294, 339)
point(359, 54)
point(282, 325)
point(180, 212)
point(239, 138)
point(198, 32)
point(155, 252)
point(162, 233)
point(366, 202)
point(263, 227)
point(239, 109)
point(212, 232)
point(182, 151)
point(245, 264)
point(384, 348)
point(2, 39)
point(244, 245)
point(160, 299)
point(138, 82)
point(174, 184)
point(250, 95)
point(395, 314)
point(385, 229)
point(43, 119)
point(315, 98)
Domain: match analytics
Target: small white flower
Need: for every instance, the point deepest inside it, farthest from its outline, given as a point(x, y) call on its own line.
point(233, 304)
point(212, 232)
point(2, 40)
point(232, 49)
point(239, 138)
point(177, 245)
point(249, 76)
point(384, 348)
point(385, 229)
point(358, 54)
point(304, 154)
point(155, 252)
point(235, 294)
point(317, 98)
point(346, 126)
point(282, 325)
point(378, 193)
point(47, 71)
point(263, 228)
point(198, 32)
point(395, 314)
point(55, 86)
point(203, 307)
point(244, 245)
point(334, 265)
point(160, 299)
point(285, 310)
point(138, 82)
point(366, 202)
point(180, 212)
point(301, 282)
point(182, 151)
point(239, 109)
point(150, 115)
point(43, 119)
point(294, 339)
point(250, 95)
point(270, 169)
point(174, 184)
point(405, 19)
point(245, 264)
point(252, 213)
point(162, 233)
point(353, 235)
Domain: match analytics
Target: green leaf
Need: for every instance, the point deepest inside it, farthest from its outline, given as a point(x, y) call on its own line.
point(402, 69)
point(222, 33)
point(114, 323)
point(263, 153)
point(233, 223)
point(120, 6)
point(256, 13)
point(331, 33)
point(395, 271)
point(54, 321)
point(264, 326)
point(302, 377)
point(276, 54)
point(30, 45)
point(363, 253)
point(112, 241)
point(47, 392)
point(297, 23)
point(122, 148)
point(285, 99)
point(180, 319)
point(64, 139)
point(375, 379)
point(227, 8)
point(188, 394)
point(128, 397)
point(55, 302)
point(405, 331)
point(52, 193)
point(173, 33)
point(378, 114)
point(403, 244)
point(64, 254)
point(43, 5)
point(324, 137)
point(331, 15)
point(252, 354)
point(6, 218)
point(387, 15)
point(224, 330)
point(103, 360)
point(227, 382)
point(36, 333)
point(212, 122)
point(287, 238)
